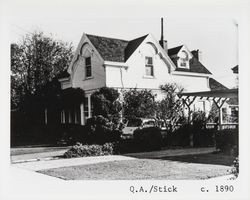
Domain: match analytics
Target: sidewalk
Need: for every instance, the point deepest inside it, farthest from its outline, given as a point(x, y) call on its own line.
point(44, 162)
point(67, 162)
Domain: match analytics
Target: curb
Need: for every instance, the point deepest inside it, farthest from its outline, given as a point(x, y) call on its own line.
point(34, 160)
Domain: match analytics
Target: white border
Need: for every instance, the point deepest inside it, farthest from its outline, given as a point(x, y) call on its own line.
point(21, 184)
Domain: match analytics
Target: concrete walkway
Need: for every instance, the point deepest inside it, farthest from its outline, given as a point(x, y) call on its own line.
point(49, 164)
point(37, 156)
point(46, 162)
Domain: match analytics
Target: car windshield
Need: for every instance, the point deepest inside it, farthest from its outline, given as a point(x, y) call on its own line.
point(134, 123)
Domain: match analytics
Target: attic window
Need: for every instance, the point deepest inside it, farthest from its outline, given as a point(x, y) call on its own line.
point(88, 67)
point(183, 61)
point(149, 66)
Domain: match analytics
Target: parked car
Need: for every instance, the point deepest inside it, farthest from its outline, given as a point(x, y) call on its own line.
point(138, 123)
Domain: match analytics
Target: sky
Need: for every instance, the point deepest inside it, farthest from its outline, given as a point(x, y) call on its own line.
point(216, 38)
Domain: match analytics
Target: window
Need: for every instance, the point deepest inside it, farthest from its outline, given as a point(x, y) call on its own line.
point(183, 59)
point(88, 67)
point(149, 66)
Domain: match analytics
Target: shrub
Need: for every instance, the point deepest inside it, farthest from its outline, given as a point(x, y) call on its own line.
point(181, 137)
point(101, 130)
point(227, 141)
point(235, 168)
point(80, 150)
point(148, 139)
point(199, 120)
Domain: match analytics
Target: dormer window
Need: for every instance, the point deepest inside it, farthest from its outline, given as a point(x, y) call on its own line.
point(88, 69)
point(149, 66)
point(183, 61)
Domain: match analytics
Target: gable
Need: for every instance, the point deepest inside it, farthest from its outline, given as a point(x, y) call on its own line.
point(195, 66)
point(133, 45)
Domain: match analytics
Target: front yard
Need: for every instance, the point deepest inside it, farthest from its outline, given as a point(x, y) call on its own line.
point(185, 167)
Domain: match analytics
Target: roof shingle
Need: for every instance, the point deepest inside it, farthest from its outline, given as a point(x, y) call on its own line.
point(215, 85)
point(109, 48)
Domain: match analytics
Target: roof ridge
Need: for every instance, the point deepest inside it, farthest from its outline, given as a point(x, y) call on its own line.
point(177, 46)
point(144, 36)
point(107, 37)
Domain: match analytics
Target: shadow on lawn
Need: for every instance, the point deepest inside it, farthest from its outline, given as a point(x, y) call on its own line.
point(210, 158)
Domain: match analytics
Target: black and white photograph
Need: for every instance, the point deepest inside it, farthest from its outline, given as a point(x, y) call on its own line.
point(149, 103)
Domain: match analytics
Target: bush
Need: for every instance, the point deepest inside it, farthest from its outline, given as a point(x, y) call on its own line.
point(148, 139)
point(235, 168)
point(80, 150)
point(101, 130)
point(181, 137)
point(227, 141)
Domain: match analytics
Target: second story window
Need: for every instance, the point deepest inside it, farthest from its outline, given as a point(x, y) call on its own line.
point(88, 67)
point(149, 66)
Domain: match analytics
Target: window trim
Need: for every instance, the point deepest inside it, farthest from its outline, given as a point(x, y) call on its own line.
point(89, 65)
point(149, 65)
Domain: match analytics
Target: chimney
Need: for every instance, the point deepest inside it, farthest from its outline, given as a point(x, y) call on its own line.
point(197, 54)
point(163, 43)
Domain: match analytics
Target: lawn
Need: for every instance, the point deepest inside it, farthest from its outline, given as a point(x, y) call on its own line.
point(191, 167)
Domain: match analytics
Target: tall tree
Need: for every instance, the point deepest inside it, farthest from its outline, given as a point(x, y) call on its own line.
point(139, 103)
point(35, 62)
point(170, 108)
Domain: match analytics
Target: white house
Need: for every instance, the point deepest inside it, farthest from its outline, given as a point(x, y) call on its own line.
point(142, 63)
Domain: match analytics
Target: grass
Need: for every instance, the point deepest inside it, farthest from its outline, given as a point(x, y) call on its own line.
point(191, 167)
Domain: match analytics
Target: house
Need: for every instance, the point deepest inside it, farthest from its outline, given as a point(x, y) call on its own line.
point(142, 63)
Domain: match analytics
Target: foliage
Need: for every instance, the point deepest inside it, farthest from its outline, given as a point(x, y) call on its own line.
point(139, 104)
point(148, 139)
point(235, 168)
point(199, 119)
point(106, 103)
point(80, 150)
point(35, 62)
point(227, 141)
point(182, 136)
point(102, 130)
point(170, 108)
point(213, 114)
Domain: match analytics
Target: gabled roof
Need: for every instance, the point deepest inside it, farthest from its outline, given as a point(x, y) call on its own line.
point(174, 51)
point(132, 46)
point(109, 48)
point(195, 66)
point(112, 49)
point(215, 85)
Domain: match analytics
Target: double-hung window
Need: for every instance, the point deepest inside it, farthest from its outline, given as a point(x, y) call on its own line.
point(149, 66)
point(88, 67)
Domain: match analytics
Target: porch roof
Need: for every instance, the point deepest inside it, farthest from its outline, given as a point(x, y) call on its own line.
point(228, 93)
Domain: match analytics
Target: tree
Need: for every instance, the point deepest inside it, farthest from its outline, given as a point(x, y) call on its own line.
point(139, 103)
point(35, 62)
point(106, 103)
point(170, 108)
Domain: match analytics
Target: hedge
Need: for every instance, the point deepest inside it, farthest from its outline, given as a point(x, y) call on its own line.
point(80, 150)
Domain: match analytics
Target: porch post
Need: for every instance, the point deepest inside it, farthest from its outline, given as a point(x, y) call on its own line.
point(63, 117)
point(75, 114)
point(46, 116)
point(82, 113)
point(89, 106)
point(70, 119)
